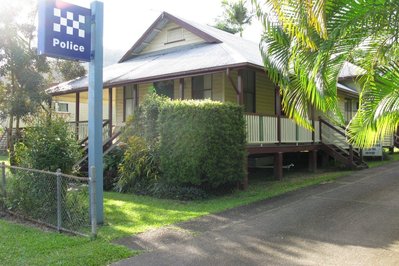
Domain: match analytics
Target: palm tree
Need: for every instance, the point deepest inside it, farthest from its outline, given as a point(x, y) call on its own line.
point(235, 17)
point(305, 44)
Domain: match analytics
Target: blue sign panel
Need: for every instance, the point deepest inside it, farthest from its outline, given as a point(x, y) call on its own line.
point(64, 30)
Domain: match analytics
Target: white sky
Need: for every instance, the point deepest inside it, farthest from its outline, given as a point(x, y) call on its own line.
point(126, 20)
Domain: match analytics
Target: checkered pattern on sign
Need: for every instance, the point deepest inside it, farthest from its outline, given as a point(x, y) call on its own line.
point(69, 23)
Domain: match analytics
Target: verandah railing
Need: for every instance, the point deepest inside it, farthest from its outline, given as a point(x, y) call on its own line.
point(81, 129)
point(263, 129)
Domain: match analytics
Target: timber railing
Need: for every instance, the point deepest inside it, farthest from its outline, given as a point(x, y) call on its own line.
point(265, 129)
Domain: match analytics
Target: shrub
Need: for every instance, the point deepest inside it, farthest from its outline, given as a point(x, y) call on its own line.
point(202, 143)
point(49, 145)
point(111, 164)
point(183, 147)
point(139, 168)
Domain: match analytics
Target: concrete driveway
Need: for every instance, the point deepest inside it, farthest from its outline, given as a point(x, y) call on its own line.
point(353, 221)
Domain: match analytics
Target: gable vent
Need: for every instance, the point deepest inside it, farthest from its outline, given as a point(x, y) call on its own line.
point(175, 35)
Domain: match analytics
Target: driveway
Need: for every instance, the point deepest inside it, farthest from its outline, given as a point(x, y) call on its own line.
point(353, 221)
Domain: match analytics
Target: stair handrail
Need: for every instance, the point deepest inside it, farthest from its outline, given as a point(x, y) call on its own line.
point(359, 153)
point(85, 150)
point(83, 141)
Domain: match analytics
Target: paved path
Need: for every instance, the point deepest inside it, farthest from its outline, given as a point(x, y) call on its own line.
point(354, 221)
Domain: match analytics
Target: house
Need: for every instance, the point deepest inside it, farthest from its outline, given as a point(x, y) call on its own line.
point(186, 60)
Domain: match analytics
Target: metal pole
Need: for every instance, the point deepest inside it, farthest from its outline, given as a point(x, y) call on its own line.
point(93, 203)
point(96, 103)
point(59, 217)
point(3, 179)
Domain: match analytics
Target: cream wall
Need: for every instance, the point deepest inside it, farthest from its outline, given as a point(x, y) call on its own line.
point(160, 41)
point(265, 94)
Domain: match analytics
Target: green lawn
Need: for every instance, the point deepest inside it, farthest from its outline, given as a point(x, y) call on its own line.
point(4, 158)
point(23, 245)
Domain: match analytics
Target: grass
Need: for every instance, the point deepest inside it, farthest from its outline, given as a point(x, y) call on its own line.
point(4, 158)
point(23, 245)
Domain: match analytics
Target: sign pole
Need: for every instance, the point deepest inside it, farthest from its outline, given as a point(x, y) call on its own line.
point(96, 104)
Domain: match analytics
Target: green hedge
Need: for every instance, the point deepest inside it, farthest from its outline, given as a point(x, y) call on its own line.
point(202, 143)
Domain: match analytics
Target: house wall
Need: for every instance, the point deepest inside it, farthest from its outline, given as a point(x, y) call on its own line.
point(229, 91)
point(118, 111)
point(160, 41)
point(218, 86)
point(187, 88)
point(265, 94)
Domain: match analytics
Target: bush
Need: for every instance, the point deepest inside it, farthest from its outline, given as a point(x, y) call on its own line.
point(139, 168)
point(111, 165)
point(48, 145)
point(202, 143)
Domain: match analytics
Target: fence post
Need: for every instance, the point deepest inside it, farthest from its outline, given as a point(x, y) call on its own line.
point(59, 216)
point(93, 207)
point(3, 180)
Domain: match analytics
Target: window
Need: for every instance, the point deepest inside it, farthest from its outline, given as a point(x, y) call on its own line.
point(249, 90)
point(62, 107)
point(165, 88)
point(130, 100)
point(174, 35)
point(202, 87)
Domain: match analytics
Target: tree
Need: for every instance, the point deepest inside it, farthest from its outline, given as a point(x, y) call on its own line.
point(305, 44)
point(69, 69)
point(235, 17)
point(22, 91)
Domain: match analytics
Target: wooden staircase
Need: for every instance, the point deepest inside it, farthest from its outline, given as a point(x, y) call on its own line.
point(334, 143)
point(396, 140)
point(108, 145)
point(4, 142)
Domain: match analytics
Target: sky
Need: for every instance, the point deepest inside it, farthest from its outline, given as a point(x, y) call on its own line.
point(126, 20)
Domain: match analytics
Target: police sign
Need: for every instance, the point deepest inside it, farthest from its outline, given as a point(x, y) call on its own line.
point(64, 30)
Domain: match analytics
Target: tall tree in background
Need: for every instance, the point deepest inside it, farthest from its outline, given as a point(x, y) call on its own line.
point(21, 69)
point(235, 16)
point(68, 70)
point(305, 45)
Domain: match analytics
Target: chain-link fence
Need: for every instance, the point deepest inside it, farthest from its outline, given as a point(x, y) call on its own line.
point(54, 199)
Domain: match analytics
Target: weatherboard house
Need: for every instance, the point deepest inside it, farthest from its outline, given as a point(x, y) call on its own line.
point(186, 60)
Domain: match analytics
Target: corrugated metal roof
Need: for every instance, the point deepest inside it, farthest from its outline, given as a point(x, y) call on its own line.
point(350, 70)
point(347, 89)
point(229, 52)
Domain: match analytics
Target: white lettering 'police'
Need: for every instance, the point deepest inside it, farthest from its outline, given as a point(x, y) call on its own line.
point(68, 45)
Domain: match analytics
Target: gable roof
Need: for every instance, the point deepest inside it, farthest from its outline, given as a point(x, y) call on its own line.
point(219, 51)
point(156, 27)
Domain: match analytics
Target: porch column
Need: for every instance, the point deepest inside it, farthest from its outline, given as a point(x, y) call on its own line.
point(278, 165)
point(77, 114)
point(110, 112)
point(181, 88)
point(240, 88)
point(313, 161)
point(277, 98)
point(237, 88)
